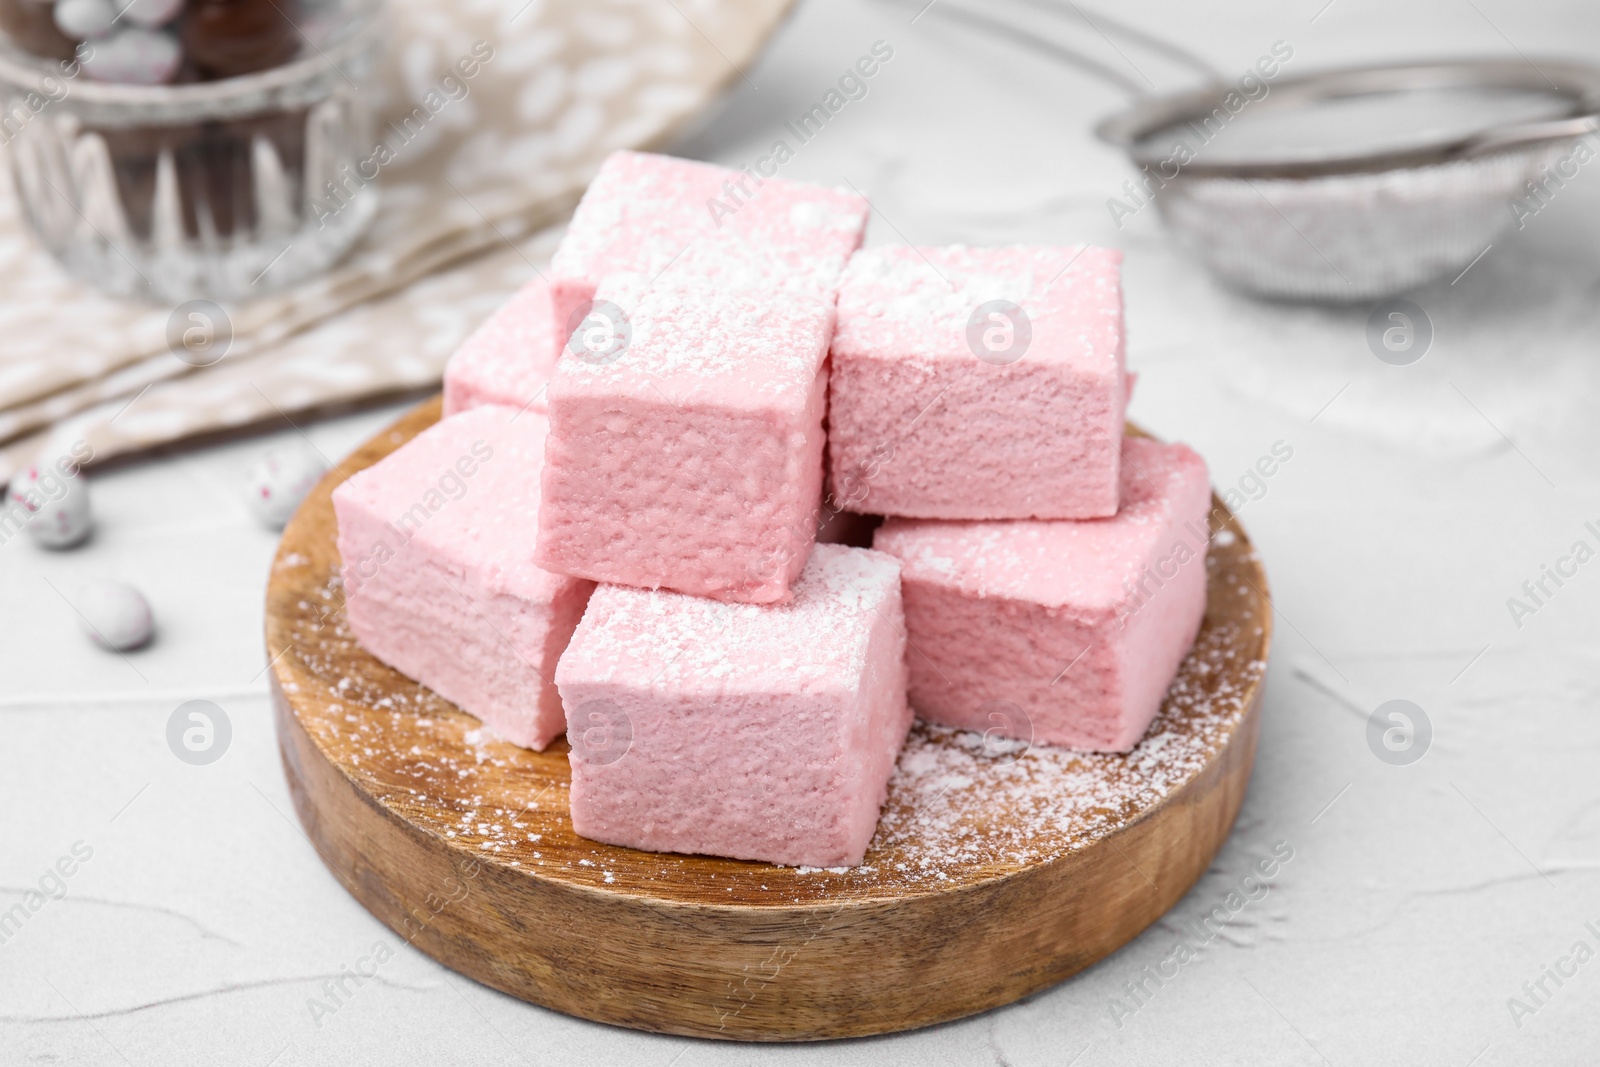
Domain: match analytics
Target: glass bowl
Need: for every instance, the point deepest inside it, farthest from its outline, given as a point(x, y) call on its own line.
point(224, 189)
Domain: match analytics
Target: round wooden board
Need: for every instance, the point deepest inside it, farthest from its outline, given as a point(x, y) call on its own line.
point(996, 870)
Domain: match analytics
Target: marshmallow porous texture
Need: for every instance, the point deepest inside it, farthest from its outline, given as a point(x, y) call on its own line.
point(752, 732)
point(978, 383)
point(691, 457)
point(437, 547)
point(1065, 632)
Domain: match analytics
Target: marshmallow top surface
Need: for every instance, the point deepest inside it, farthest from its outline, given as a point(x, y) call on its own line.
point(732, 348)
point(1078, 564)
point(917, 302)
point(655, 214)
point(818, 642)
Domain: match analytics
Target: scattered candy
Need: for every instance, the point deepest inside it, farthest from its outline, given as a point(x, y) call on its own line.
point(115, 615)
point(174, 40)
point(280, 479)
point(57, 499)
point(82, 20)
point(134, 56)
point(150, 13)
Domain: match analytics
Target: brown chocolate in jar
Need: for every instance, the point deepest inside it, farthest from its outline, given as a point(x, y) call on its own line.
point(226, 38)
point(212, 160)
point(32, 25)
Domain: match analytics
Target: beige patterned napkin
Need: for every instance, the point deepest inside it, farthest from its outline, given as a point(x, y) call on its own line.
point(567, 82)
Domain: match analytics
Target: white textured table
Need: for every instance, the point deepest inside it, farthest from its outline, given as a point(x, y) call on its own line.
point(1419, 899)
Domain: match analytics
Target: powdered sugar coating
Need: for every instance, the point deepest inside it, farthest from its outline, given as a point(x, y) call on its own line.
point(703, 646)
point(1087, 566)
point(646, 213)
point(917, 301)
point(736, 348)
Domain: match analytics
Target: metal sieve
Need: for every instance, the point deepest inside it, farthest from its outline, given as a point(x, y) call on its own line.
point(1339, 185)
point(1456, 153)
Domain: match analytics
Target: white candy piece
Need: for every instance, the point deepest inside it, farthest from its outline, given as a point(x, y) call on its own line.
point(280, 479)
point(151, 13)
point(56, 499)
point(115, 615)
point(82, 20)
point(132, 56)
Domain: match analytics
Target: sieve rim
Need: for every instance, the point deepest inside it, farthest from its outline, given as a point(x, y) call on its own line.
point(1577, 81)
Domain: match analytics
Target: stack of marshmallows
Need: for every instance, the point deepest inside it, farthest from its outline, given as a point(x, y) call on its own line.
point(627, 527)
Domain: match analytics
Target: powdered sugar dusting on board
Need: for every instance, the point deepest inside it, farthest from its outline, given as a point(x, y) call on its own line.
point(957, 811)
point(958, 801)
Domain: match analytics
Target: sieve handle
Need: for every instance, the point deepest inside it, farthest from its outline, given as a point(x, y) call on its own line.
point(1030, 38)
point(1531, 133)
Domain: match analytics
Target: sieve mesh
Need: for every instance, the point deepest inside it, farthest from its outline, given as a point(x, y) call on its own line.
point(1346, 237)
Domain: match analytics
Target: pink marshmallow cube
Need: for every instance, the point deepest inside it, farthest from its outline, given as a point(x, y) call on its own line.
point(688, 455)
point(757, 733)
point(439, 579)
point(978, 383)
point(651, 214)
point(509, 359)
point(1066, 632)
